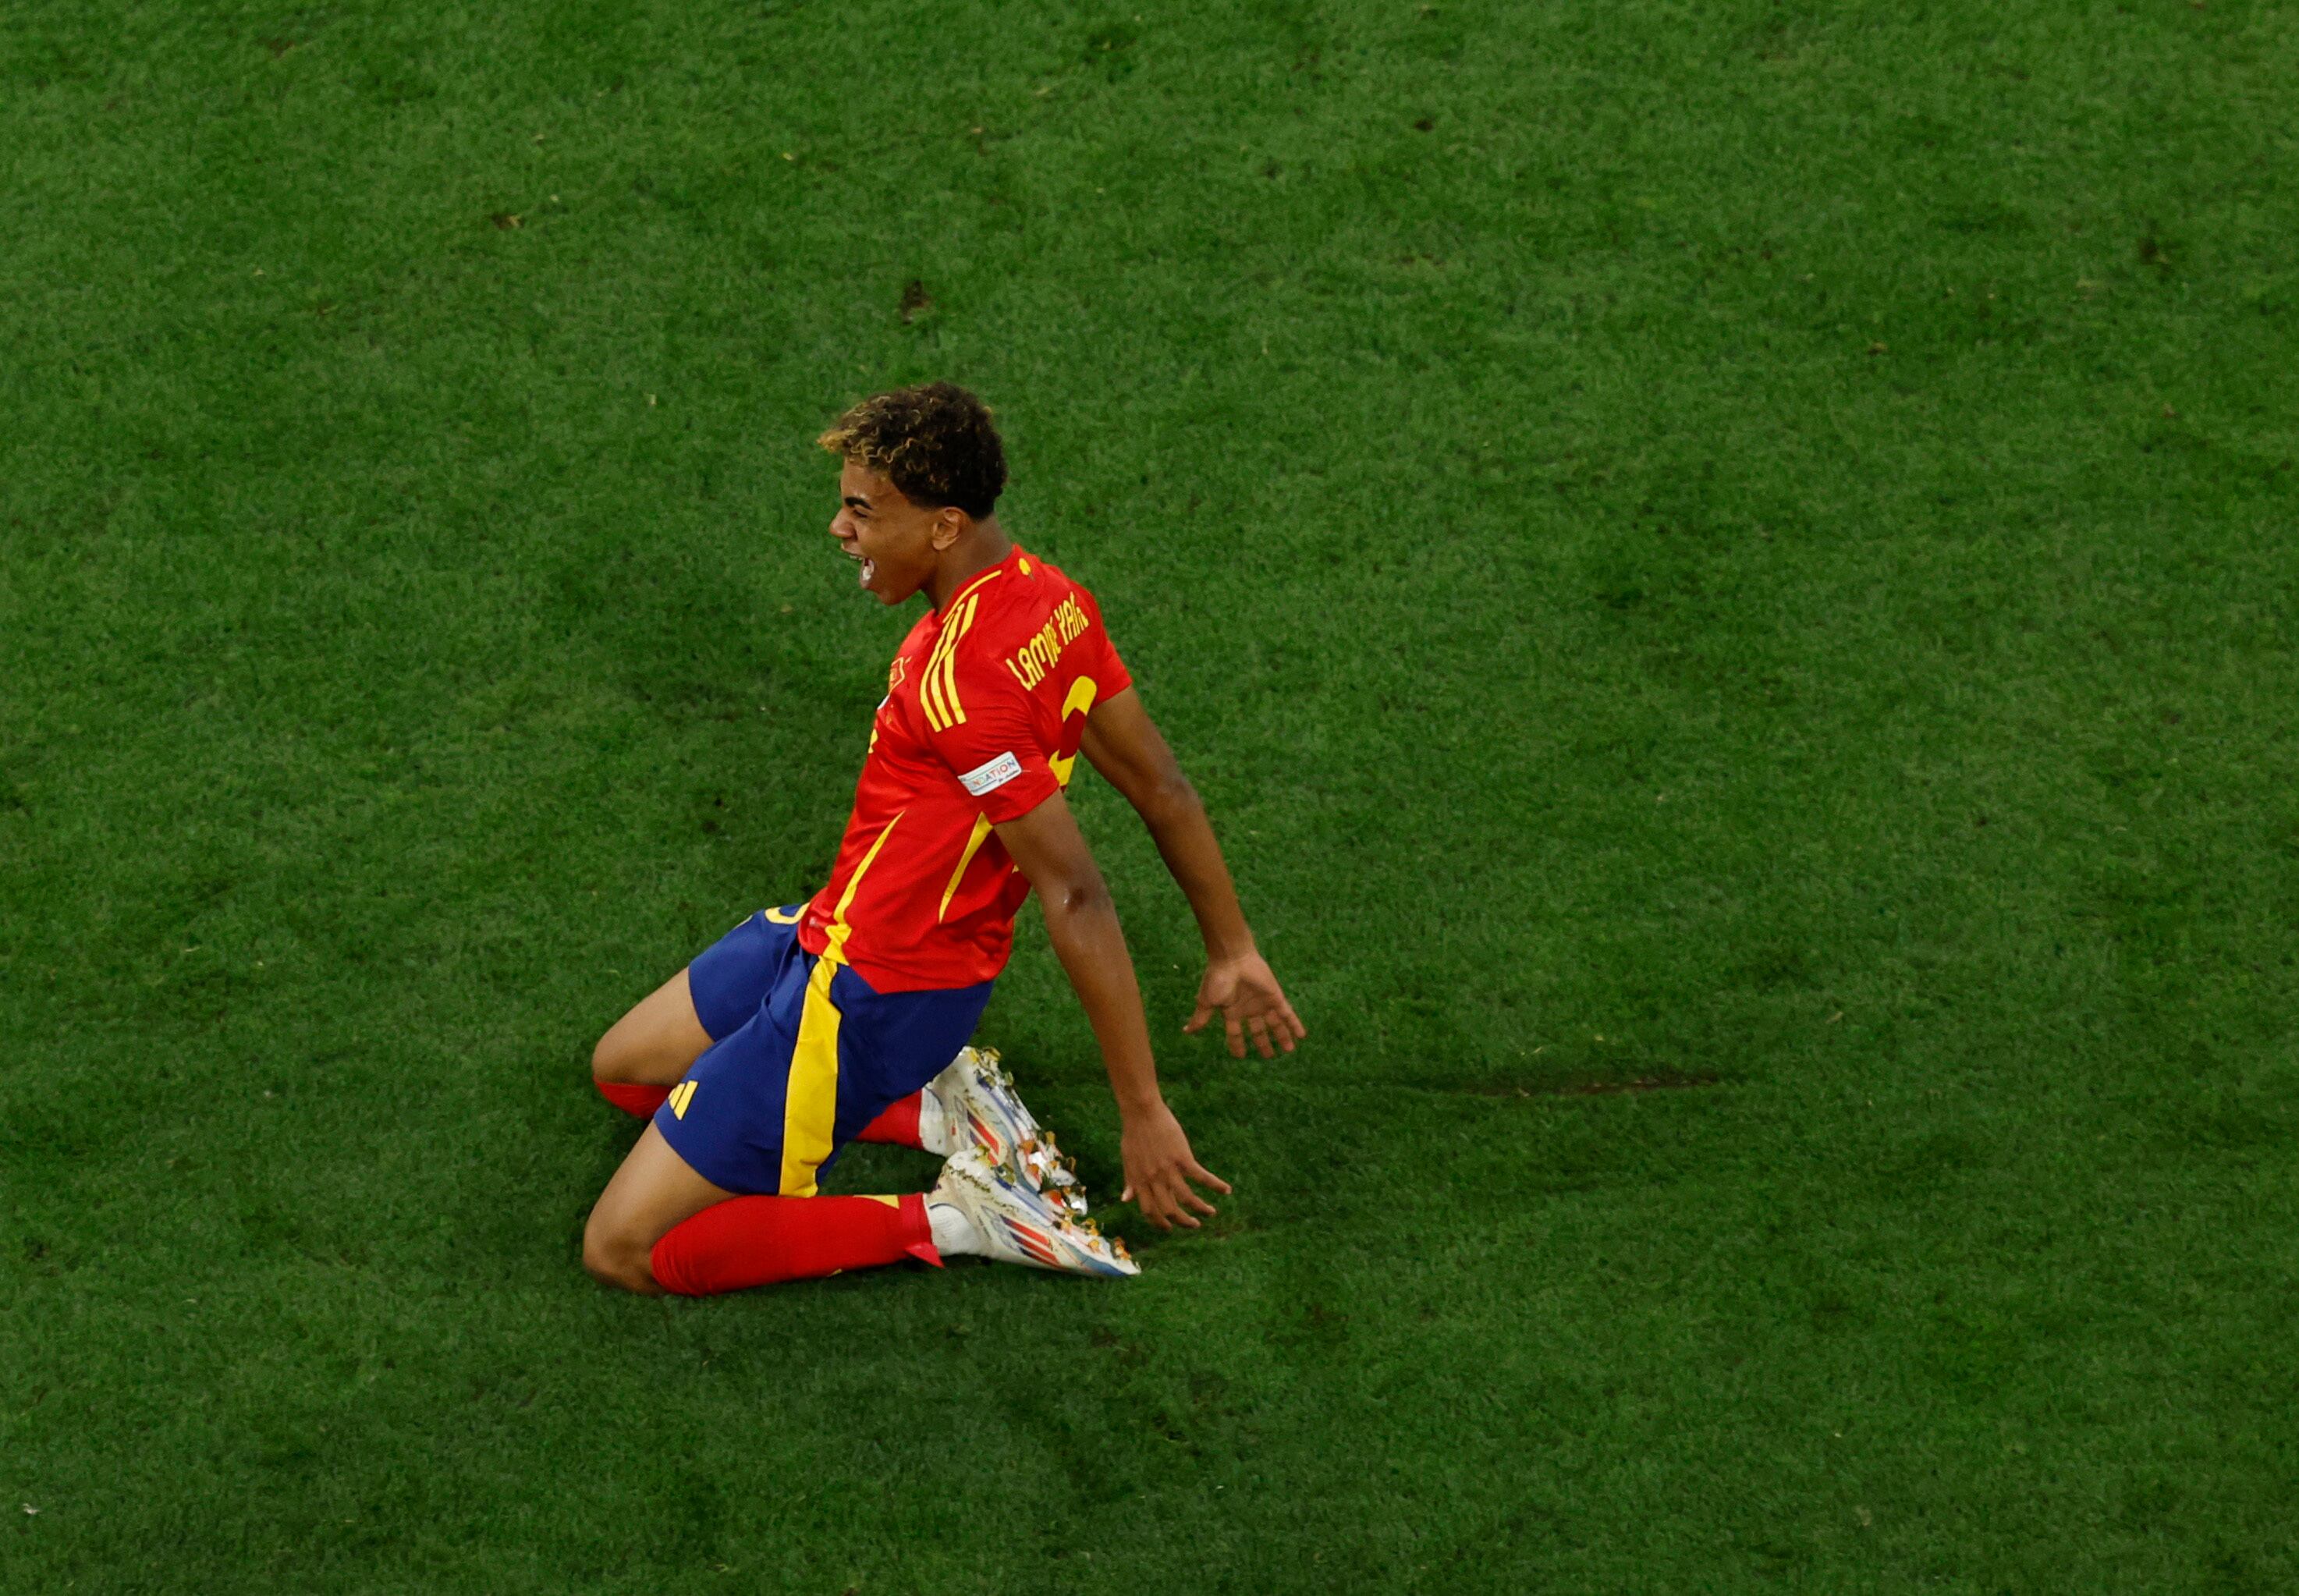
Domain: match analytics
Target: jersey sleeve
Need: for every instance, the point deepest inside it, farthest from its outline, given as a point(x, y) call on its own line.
point(979, 723)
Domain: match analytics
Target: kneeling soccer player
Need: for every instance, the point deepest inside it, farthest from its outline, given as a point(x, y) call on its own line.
point(846, 1017)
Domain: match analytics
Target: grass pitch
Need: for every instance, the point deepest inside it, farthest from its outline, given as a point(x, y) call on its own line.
point(1725, 572)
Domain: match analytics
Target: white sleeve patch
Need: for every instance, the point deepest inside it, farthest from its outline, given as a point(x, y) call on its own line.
point(990, 778)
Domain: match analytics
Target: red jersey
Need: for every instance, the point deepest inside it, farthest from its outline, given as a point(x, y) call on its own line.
point(985, 704)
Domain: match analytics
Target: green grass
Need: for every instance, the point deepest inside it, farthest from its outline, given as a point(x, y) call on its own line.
point(1742, 546)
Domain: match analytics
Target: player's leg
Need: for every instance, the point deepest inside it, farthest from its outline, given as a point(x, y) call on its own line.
point(711, 1201)
point(904, 1123)
point(984, 1203)
point(643, 1054)
point(669, 1220)
point(967, 1099)
point(649, 1194)
point(649, 1050)
point(661, 1226)
point(973, 1103)
point(764, 1241)
point(906, 1051)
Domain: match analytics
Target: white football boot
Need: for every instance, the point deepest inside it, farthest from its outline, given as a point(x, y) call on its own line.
point(981, 1208)
point(979, 1107)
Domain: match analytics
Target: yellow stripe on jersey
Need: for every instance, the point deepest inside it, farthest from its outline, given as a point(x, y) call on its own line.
point(932, 705)
point(930, 679)
point(938, 687)
point(984, 580)
point(949, 664)
point(973, 847)
point(810, 1094)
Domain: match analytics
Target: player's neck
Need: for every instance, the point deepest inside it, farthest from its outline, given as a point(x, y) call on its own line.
point(984, 544)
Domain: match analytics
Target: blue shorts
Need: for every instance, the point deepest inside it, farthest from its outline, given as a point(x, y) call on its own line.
point(804, 1053)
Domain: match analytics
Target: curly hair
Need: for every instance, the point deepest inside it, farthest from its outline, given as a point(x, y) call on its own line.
point(934, 440)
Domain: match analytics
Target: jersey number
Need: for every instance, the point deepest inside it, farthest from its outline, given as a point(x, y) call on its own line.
point(1083, 692)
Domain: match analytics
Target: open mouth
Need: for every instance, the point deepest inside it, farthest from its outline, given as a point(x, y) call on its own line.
point(869, 566)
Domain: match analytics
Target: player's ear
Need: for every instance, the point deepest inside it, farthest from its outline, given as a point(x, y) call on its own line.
point(949, 524)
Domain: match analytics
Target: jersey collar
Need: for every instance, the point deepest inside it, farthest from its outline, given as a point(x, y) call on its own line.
point(1014, 558)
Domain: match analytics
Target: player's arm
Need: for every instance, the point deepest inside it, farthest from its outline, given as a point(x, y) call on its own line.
point(1124, 743)
point(1082, 922)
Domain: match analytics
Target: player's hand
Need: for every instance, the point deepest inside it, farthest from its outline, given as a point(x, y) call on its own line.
point(1250, 1000)
point(1159, 1169)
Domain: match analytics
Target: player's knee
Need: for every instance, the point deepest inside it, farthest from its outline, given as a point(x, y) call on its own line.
point(607, 1059)
point(613, 1257)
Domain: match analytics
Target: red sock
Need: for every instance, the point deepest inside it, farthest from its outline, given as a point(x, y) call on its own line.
point(757, 1240)
point(898, 1127)
point(634, 1097)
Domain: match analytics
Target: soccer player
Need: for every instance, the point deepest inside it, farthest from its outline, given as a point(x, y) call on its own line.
point(846, 1017)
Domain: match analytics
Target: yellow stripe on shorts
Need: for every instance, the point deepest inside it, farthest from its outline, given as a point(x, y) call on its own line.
point(810, 1094)
point(811, 1097)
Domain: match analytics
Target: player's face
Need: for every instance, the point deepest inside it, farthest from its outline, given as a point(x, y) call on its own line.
point(891, 537)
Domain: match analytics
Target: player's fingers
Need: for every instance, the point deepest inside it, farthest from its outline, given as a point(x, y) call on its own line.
point(1196, 1022)
point(1127, 1195)
point(1274, 1035)
point(1260, 1028)
point(1170, 1201)
point(1236, 1028)
point(1198, 1202)
point(1207, 1178)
